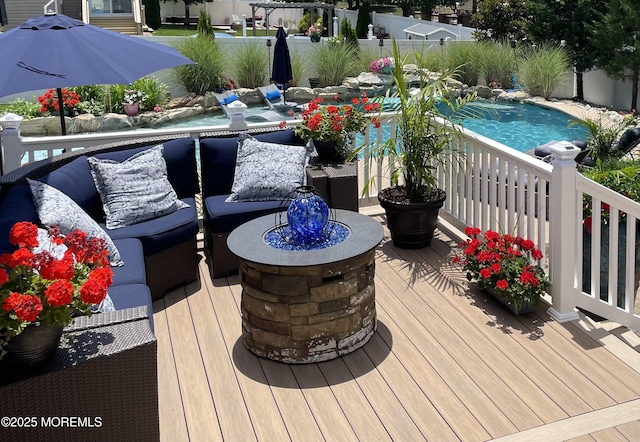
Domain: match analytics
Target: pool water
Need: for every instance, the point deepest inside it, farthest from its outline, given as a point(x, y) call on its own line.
point(521, 126)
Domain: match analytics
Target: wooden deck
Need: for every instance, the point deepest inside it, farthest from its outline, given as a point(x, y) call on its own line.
point(445, 364)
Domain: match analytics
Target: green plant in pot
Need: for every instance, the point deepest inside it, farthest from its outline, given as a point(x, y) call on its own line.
point(421, 143)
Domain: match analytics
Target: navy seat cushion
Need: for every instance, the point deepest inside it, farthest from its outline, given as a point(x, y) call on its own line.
point(133, 270)
point(220, 216)
point(218, 159)
point(162, 233)
point(16, 206)
point(74, 180)
point(132, 295)
point(180, 156)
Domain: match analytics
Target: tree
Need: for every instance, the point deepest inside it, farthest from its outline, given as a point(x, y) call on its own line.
point(569, 21)
point(348, 34)
point(152, 13)
point(364, 19)
point(499, 20)
point(187, 3)
point(426, 7)
point(617, 41)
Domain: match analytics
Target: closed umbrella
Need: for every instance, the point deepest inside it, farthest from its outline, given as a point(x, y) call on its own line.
point(56, 51)
point(281, 72)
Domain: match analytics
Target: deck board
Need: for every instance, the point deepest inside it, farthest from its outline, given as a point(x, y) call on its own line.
point(170, 406)
point(325, 407)
point(232, 414)
point(446, 363)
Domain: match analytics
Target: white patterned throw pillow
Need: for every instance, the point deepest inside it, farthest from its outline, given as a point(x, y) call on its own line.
point(267, 171)
point(57, 209)
point(135, 190)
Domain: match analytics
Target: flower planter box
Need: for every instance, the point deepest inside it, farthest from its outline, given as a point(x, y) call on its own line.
point(522, 308)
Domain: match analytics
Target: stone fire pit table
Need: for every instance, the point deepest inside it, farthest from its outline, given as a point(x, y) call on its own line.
point(307, 306)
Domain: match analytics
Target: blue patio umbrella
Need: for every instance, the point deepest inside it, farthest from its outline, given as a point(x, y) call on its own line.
point(281, 72)
point(56, 51)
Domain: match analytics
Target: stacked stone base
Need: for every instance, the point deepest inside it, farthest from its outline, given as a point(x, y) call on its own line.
point(308, 314)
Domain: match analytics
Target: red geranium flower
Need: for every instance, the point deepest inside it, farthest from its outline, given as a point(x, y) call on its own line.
point(59, 293)
point(27, 307)
point(47, 287)
point(24, 234)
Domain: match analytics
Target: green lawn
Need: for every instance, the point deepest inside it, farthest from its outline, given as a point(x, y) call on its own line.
point(185, 31)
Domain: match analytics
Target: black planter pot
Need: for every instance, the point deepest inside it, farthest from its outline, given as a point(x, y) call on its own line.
point(328, 152)
point(411, 224)
point(33, 348)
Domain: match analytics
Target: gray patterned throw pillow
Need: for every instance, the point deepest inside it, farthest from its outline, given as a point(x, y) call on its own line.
point(267, 171)
point(135, 190)
point(57, 209)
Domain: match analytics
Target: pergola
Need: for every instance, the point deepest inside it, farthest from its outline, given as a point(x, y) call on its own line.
point(272, 6)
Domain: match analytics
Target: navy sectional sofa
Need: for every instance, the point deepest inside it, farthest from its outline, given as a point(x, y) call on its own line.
point(158, 255)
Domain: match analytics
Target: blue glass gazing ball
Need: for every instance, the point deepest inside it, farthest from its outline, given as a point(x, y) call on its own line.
point(307, 216)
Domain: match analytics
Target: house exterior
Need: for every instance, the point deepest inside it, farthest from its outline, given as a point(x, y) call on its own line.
point(123, 16)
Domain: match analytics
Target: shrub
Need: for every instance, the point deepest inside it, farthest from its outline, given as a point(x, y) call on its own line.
point(204, 25)
point(498, 63)
point(92, 98)
point(465, 58)
point(154, 91)
point(204, 76)
point(603, 132)
point(251, 65)
point(27, 109)
point(365, 57)
point(431, 58)
point(298, 68)
point(348, 34)
point(305, 23)
point(543, 69)
point(152, 13)
point(334, 62)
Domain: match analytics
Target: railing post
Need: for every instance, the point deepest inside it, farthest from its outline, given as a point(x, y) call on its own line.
point(11, 149)
point(562, 228)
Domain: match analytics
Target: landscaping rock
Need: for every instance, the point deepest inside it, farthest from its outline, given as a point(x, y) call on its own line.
point(43, 126)
point(300, 94)
point(209, 100)
point(483, 92)
point(180, 101)
point(84, 123)
point(115, 122)
point(249, 96)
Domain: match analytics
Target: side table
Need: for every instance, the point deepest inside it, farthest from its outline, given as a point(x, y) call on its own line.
point(101, 385)
point(338, 181)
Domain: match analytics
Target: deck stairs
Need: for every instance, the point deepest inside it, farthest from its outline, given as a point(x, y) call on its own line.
point(123, 25)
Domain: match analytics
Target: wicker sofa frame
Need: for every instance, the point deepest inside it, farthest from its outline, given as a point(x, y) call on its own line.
point(104, 376)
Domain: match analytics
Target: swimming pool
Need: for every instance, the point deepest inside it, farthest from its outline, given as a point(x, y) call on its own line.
point(520, 126)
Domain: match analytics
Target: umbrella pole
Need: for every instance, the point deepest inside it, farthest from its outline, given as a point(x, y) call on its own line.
point(61, 107)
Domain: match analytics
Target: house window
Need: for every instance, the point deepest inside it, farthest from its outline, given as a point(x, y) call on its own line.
point(111, 7)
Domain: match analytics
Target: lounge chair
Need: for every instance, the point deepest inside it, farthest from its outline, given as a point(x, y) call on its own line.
point(544, 151)
point(274, 98)
point(227, 97)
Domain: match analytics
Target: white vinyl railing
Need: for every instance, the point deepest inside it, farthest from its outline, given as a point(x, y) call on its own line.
point(489, 186)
